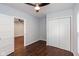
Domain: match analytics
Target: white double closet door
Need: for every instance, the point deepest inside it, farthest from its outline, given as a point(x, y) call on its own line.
point(58, 32)
point(6, 34)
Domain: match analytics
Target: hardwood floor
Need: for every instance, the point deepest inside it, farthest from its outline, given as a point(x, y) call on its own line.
point(19, 42)
point(39, 48)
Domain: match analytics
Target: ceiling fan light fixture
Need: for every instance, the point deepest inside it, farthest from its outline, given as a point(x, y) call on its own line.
point(37, 8)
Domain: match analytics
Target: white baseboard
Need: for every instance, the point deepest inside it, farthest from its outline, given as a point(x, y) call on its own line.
point(6, 50)
point(31, 42)
point(43, 39)
point(34, 41)
point(76, 53)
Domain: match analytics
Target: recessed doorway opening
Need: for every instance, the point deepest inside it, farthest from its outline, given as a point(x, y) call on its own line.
point(18, 34)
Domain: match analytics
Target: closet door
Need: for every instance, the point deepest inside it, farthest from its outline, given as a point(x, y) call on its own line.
point(6, 35)
point(64, 30)
point(58, 33)
point(53, 33)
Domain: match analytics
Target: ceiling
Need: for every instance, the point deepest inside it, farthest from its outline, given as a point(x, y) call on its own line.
point(53, 7)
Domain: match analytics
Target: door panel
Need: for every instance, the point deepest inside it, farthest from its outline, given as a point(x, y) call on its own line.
point(6, 34)
point(58, 33)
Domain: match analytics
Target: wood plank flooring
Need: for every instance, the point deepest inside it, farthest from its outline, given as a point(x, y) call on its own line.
point(39, 48)
point(19, 42)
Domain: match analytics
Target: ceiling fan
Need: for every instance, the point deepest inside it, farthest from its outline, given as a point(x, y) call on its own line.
point(37, 5)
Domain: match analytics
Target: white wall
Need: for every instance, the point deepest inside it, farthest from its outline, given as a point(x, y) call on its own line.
point(42, 28)
point(78, 27)
point(18, 29)
point(76, 8)
point(67, 13)
point(30, 21)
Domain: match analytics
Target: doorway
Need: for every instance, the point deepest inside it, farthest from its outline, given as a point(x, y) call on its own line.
point(18, 34)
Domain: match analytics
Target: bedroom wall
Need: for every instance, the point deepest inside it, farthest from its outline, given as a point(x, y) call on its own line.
point(31, 23)
point(42, 28)
point(76, 8)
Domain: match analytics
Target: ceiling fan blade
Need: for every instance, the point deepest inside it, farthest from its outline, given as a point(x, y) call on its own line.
point(30, 4)
point(43, 4)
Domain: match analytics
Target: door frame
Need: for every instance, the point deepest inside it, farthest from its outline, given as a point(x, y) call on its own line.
point(24, 30)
